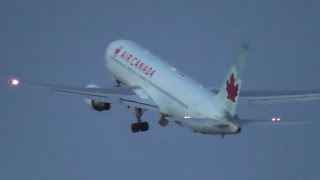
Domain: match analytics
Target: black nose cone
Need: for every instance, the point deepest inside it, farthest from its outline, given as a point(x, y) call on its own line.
point(239, 130)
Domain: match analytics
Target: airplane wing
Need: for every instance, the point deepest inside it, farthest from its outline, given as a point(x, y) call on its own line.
point(129, 96)
point(273, 97)
point(273, 122)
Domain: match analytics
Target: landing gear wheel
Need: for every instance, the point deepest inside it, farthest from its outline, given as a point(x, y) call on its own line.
point(135, 127)
point(140, 126)
point(144, 126)
point(163, 122)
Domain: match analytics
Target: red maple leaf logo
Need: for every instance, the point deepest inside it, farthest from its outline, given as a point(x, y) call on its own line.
point(232, 88)
point(117, 51)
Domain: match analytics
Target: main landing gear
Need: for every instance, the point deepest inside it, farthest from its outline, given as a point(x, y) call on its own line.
point(118, 83)
point(139, 126)
point(163, 121)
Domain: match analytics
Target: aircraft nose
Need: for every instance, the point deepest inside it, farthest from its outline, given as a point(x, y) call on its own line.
point(239, 130)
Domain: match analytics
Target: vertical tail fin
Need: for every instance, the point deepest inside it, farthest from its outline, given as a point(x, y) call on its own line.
point(230, 90)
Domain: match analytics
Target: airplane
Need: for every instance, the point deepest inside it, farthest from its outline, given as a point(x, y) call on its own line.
point(146, 82)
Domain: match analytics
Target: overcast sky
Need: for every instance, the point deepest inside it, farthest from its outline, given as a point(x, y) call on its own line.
point(45, 135)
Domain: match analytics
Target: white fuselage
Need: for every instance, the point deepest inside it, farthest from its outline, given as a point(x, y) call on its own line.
point(175, 93)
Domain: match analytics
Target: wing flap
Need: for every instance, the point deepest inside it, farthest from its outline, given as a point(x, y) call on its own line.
point(87, 91)
point(134, 101)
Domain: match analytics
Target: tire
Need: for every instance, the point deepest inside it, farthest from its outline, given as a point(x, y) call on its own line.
point(144, 126)
point(135, 127)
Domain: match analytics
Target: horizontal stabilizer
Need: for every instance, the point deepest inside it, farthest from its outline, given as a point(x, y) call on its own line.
point(266, 97)
point(270, 122)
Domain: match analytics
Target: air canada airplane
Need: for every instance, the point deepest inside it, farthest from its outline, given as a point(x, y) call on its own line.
point(145, 82)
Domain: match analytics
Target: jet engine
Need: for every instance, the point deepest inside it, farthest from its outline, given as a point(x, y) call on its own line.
point(96, 105)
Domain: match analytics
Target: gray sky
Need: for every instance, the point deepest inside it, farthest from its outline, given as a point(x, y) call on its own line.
point(45, 135)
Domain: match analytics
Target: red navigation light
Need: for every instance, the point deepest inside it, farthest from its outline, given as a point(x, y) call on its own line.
point(13, 82)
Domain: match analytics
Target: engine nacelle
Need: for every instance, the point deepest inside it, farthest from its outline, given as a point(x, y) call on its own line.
point(96, 105)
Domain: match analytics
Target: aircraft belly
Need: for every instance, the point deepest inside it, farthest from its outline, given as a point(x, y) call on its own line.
point(166, 104)
point(208, 128)
point(174, 93)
